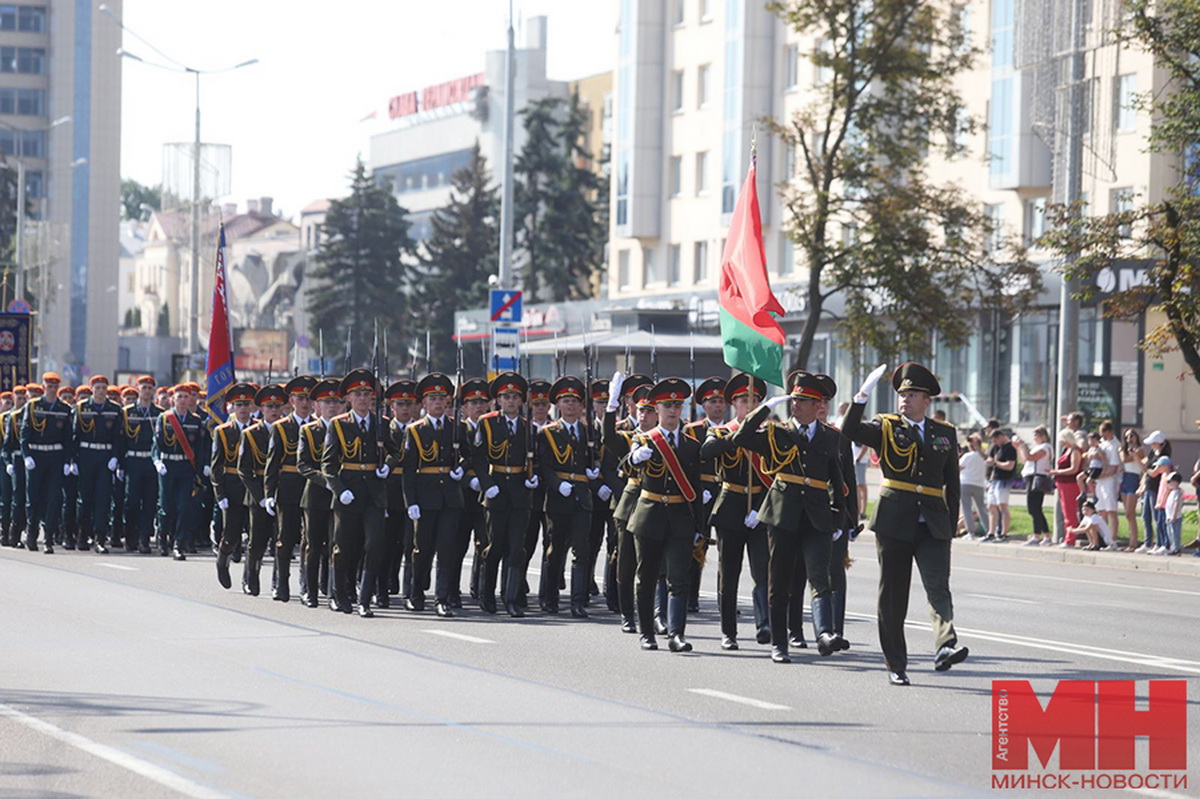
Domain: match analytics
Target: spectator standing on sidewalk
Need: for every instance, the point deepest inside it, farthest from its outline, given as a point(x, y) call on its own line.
point(1066, 469)
point(1163, 468)
point(1132, 453)
point(1108, 486)
point(972, 476)
point(1002, 465)
point(1038, 483)
point(1159, 447)
point(1173, 513)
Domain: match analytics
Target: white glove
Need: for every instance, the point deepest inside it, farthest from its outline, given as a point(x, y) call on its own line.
point(414, 512)
point(385, 513)
point(492, 492)
point(698, 540)
point(207, 470)
point(774, 402)
point(112, 464)
point(30, 463)
point(837, 534)
point(120, 474)
point(160, 467)
point(642, 454)
point(564, 488)
point(268, 504)
point(605, 493)
point(456, 474)
point(532, 482)
point(706, 497)
point(751, 519)
point(10, 469)
point(383, 471)
point(869, 384)
point(592, 474)
point(66, 470)
point(346, 497)
point(614, 390)
point(474, 484)
point(223, 504)
point(75, 468)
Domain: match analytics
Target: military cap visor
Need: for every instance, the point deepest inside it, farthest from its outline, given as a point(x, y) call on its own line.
point(508, 383)
point(740, 386)
point(712, 388)
point(670, 390)
point(326, 388)
point(566, 387)
point(641, 397)
point(300, 385)
point(240, 392)
point(433, 384)
point(913, 376)
point(475, 389)
point(358, 380)
point(401, 390)
point(599, 390)
point(803, 385)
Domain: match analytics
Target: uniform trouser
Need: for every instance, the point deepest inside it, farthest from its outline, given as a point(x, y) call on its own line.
point(674, 555)
point(71, 530)
point(567, 531)
point(357, 536)
point(406, 549)
point(536, 518)
point(895, 576)
point(95, 493)
point(262, 528)
point(17, 498)
point(141, 499)
point(6, 491)
point(117, 515)
point(506, 542)
point(611, 587)
point(732, 542)
point(470, 528)
point(315, 549)
point(234, 521)
point(393, 548)
point(291, 523)
point(44, 497)
point(837, 580)
point(177, 499)
point(626, 569)
point(435, 533)
point(601, 521)
point(203, 507)
point(787, 549)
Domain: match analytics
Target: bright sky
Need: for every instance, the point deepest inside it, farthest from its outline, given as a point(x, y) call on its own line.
point(293, 118)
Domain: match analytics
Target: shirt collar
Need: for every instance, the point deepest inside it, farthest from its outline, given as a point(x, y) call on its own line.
point(360, 419)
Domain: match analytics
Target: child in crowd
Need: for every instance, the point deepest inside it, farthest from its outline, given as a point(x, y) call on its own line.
point(1165, 467)
point(1094, 456)
point(1092, 525)
point(1173, 511)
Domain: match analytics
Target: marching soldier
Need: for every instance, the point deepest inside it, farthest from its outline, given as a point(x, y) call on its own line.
point(539, 412)
point(474, 399)
point(618, 441)
point(629, 386)
point(253, 448)
point(70, 533)
point(916, 514)
point(227, 484)
point(355, 470)
point(15, 465)
point(710, 396)
point(138, 424)
point(282, 482)
point(433, 450)
point(564, 469)
point(45, 441)
point(504, 462)
point(6, 487)
point(744, 483)
point(96, 431)
point(125, 396)
point(602, 530)
point(798, 510)
point(401, 397)
point(179, 435)
point(317, 500)
point(666, 520)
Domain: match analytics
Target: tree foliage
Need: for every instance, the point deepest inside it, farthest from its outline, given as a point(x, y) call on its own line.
point(1165, 234)
point(867, 219)
point(134, 196)
point(362, 273)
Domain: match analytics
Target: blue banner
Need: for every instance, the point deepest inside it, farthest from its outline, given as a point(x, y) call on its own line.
point(16, 348)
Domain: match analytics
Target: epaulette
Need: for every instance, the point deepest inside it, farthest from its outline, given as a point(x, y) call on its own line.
point(697, 423)
point(489, 415)
point(341, 417)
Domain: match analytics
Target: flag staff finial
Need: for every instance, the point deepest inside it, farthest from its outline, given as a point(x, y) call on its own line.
point(754, 145)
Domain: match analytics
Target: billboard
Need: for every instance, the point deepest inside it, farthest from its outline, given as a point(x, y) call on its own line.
point(16, 340)
point(254, 350)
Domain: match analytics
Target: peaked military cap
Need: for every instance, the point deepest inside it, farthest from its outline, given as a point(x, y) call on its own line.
point(240, 392)
point(301, 384)
point(539, 391)
point(403, 389)
point(633, 382)
point(568, 386)
point(913, 376)
point(828, 387)
point(641, 397)
point(474, 388)
point(358, 380)
point(740, 386)
point(671, 389)
point(711, 388)
point(326, 388)
point(508, 383)
point(435, 383)
point(271, 395)
point(599, 391)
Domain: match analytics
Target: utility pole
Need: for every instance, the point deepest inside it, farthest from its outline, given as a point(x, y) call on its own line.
point(506, 197)
point(193, 337)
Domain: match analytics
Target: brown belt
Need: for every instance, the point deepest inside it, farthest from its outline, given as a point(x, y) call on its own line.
point(359, 467)
point(289, 469)
point(496, 469)
point(575, 478)
point(801, 480)
point(231, 470)
point(915, 488)
point(709, 478)
point(434, 470)
point(666, 499)
point(740, 489)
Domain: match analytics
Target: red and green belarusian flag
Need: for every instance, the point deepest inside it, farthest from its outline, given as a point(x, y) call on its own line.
point(751, 335)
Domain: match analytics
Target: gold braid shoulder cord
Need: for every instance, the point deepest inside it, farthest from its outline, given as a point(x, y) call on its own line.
point(229, 452)
point(560, 456)
point(348, 452)
point(495, 452)
point(780, 459)
point(33, 422)
point(651, 471)
point(84, 426)
point(905, 456)
point(424, 454)
point(289, 450)
point(259, 458)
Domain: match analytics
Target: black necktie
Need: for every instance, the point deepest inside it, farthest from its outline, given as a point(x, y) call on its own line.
point(571, 431)
point(362, 425)
point(512, 427)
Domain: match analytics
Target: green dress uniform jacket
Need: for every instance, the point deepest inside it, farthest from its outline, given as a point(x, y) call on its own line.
point(655, 518)
point(349, 462)
point(562, 459)
point(429, 457)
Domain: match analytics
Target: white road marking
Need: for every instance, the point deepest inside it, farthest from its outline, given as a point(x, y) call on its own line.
point(1004, 599)
point(741, 700)
point(1077, 580)
point(118, 567)
point(459, 636)
point(165, 777)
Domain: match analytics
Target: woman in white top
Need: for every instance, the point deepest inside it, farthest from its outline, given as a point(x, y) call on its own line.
point(1132, 466)
point(1036, 473)
point(972, 476)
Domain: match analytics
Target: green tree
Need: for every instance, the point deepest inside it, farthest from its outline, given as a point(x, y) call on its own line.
point(134, 196)
point(1166, 233)
point(458, 257)
point(867, 220)
point(362, 273)
point(561, 216)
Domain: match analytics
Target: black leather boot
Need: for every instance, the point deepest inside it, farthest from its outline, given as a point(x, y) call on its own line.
point(822, 610)
point(838, 599)
point(677, 610)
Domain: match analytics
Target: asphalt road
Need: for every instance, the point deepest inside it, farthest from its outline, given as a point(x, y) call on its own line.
point(133, 676)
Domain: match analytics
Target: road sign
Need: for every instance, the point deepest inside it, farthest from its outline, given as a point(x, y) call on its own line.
point(506, 306)
point(506, 349)
point(314, 366)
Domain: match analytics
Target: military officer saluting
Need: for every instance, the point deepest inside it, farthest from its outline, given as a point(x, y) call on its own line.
point(282, 482)
point(317, 500)
point(45, 445)
point(138, 422)
point(96, 440)
point(227, 485)
point(802, 458)
point(916, 515)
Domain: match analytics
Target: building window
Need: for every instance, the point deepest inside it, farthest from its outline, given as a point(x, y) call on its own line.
point(31, 143)
point(1000, 133)
point(677, 12)
point(703, 75)
point(700, 262)
point(27, 19)
point(675, 175)
point(675, 266)
point(706, 10)
point(849, 234)
point(677, 91)
point(787, 257)
point(1004, 23)
point(822, 73)
point(995, 217)
point(791, 66)
point(789, 161)
point(623, 269)
point(649, 268)
point(1126, 112)
point(25, 102)
point(1035, 220)
point(702, 172)
point(23, 60)
point(1120, 201)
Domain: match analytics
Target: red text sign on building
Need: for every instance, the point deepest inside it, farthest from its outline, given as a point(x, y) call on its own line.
point(441, 94)
point(1094, 725)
